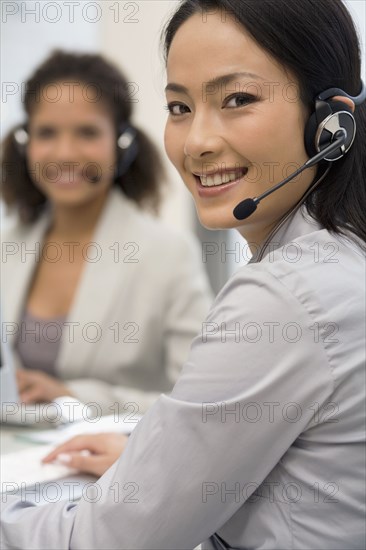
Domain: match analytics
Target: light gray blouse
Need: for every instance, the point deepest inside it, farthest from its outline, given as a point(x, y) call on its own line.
point(38, 342)
point(260, 445)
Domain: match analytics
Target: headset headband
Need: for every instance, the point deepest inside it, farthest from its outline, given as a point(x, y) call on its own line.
point(337, 91)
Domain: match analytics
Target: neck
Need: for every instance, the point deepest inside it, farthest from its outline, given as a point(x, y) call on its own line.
point(76, 221)
point(255, 236)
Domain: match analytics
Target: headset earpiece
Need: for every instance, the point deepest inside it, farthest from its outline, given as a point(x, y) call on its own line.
point(21, 138)
point(310, 133)
point(328, 118)
point(127, 149)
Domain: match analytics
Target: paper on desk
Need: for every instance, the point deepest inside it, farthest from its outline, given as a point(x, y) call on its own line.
point(124, 425)
point(24, 468)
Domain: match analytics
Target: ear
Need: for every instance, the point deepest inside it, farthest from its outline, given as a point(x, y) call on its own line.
point(345, 100)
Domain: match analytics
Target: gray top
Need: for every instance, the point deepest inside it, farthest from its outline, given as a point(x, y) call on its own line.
point(261, 440)
point(38, 342)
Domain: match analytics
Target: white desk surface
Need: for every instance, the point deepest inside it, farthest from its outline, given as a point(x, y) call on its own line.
point(9, 441)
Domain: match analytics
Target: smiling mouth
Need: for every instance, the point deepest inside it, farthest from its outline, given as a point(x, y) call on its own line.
point(221, 178)
point(67, 179)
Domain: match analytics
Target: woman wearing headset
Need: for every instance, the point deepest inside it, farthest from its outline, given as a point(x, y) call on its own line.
point(101, 300)
point(260, 443)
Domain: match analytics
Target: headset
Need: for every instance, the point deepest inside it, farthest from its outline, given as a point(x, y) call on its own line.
point(127, 148)
point(329, 135)
point(127, 145)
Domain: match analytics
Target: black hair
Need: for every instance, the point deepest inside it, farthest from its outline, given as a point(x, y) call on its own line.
point(317, 40)
point(141, 182)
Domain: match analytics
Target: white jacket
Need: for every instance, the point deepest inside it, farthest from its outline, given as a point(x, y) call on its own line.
point(141, 299)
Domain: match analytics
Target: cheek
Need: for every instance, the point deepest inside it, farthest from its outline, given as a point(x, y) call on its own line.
point(36, 153)
point(168, 142)
point(286, 134)
point(102, 152)
point(280, 141)
point(174, 146)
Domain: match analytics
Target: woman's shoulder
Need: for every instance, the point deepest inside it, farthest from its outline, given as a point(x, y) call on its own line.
point(285, 326)
point(163, 239)
point(320, 262)
point(304, 255)
point(305, 271)
point(14, 230)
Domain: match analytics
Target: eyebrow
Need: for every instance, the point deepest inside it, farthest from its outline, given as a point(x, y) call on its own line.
point(218, 81)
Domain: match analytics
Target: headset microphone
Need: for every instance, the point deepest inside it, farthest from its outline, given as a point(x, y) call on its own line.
point(245, 208)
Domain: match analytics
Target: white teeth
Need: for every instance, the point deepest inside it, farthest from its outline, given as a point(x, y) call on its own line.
point(219, 179)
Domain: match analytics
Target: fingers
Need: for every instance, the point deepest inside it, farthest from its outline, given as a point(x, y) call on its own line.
point(36, 386)
point(23, 379)
point(77, 443)
point(31, 395)
point(28, 387)
point(84, 462)
point(346, 100)
point(92, 454)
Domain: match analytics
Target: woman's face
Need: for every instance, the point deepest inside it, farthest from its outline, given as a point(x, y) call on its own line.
point(71, 153)
point(235, 125)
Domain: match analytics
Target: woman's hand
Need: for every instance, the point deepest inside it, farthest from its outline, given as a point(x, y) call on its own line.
point(92, 454)
point(36, 386)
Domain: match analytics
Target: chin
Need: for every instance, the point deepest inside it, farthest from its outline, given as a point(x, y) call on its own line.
point(217, 218)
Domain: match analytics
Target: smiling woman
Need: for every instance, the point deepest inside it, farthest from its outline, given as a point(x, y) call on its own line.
point(70, 147)
point(260, 444)
point(77, 106)
point(79, 174)
point(257, 118)
point(219, 134)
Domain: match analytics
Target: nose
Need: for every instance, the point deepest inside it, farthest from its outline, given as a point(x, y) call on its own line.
point(65, 148)
point(203, 138)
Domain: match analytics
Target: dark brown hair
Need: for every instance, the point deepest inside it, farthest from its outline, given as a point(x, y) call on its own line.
point(142, 182)
point(318, 41)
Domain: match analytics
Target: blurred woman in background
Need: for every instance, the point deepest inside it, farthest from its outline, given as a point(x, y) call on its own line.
point(102, 299)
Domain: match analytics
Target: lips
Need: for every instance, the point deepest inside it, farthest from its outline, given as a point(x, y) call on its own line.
point(65, 178)
point(221, 177)
point(69, 180)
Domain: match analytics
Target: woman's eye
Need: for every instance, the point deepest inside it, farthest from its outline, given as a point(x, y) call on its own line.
point(238, 100)
point(44, 133)
point(88, 132)
point(177, 109)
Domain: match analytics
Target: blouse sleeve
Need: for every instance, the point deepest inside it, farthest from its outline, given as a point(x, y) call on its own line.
point(244, 396)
